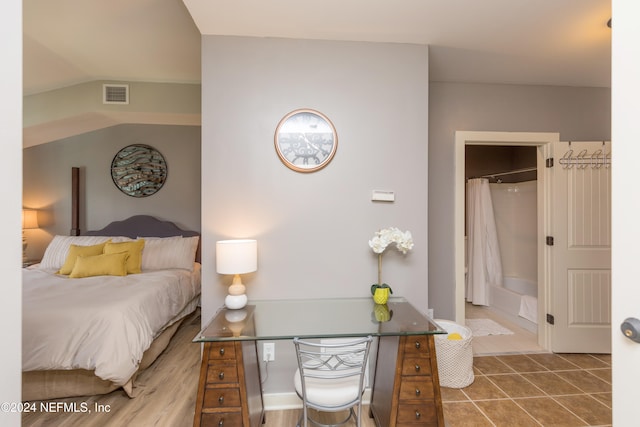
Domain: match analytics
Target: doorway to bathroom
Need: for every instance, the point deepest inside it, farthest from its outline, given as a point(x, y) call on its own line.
point(501, 237)
point(573, 201)
point(513, 166)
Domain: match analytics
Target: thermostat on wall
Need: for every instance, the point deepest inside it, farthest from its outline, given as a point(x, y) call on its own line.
point(383, 196)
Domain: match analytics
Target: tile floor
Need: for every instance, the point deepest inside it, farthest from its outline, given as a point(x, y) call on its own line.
point(518, 384)
point(539, 389)
point(522, 341)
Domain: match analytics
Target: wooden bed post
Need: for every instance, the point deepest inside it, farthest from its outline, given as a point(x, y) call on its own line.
point(75, 205)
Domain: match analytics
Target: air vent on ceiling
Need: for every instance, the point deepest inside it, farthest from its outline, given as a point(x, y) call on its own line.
point(115, 94)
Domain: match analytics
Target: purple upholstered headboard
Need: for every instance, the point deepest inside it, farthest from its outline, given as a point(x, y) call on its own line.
point(144, 226)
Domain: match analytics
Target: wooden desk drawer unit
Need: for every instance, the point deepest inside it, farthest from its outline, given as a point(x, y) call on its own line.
point(423, 414)
point(229, 378)
point(410, 396)
point(222, 373)
point(416, 366)
point(416, 345)
point(222, 420)
point(220, 351)
point(416, 389)
point(222, 398)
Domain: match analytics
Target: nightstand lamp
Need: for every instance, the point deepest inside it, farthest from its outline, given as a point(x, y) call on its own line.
point(236, 257)
point(29, 221)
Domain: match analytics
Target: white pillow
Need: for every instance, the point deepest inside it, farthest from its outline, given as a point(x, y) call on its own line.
point(56, 253)
point(169, 252)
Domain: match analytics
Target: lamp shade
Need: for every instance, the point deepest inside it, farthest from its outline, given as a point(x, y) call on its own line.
point(236, 256)
point(29, 218)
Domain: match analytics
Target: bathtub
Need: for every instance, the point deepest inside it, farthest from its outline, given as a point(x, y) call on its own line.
point(506, 300)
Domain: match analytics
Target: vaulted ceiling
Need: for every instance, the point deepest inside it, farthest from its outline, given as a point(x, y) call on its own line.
point(559, 42)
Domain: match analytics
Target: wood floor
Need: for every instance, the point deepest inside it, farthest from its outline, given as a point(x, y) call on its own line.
point(166, 395)
point(166, 392)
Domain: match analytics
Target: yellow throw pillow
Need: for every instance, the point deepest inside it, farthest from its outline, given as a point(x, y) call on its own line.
point(100, 265)
point(75, 251)
point(133, 248)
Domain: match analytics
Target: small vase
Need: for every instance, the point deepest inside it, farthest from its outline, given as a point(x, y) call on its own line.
point(381, 295)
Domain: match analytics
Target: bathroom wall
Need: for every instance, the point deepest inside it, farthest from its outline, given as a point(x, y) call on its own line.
point(485, 160)
point(515, 210)
point(514, 203)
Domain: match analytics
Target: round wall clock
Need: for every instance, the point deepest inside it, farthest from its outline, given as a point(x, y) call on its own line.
point(306, 140)
point(138, 170)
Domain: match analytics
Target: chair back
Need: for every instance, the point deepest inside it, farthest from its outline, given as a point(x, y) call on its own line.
point(332, 374)
point(346, 341)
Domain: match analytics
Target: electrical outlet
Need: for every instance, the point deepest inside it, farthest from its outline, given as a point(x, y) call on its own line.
point(268, 352)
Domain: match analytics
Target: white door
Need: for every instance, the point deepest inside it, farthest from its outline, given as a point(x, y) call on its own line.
point(580, 294)
point(625, 92)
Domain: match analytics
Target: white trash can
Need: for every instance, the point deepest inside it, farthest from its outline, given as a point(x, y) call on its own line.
point(455, 357)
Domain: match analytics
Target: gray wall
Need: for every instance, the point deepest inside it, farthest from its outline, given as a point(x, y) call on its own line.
point(576, 113)
point(47, 180)
point(313, 229)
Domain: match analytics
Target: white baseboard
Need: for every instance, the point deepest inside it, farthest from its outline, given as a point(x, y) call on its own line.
point(283, 401)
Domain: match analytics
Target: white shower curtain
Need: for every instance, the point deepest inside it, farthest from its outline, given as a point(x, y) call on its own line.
point(483, 252)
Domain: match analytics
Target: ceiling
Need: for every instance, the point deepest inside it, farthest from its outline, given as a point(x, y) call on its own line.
point(556, 42)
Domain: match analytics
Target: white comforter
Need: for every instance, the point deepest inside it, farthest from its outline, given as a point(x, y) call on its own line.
point(103, 324)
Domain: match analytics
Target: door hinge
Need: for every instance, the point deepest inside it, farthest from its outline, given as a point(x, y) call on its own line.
point(550, 319)
point(549, 240)
point(549, 162)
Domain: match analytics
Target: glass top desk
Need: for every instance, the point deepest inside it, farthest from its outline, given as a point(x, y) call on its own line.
point(320, 318)
point(405, 385)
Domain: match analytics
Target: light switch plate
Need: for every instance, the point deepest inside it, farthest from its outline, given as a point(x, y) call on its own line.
point(383, 196)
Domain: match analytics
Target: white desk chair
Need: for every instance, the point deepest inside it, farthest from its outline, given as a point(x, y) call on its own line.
point(331, 376)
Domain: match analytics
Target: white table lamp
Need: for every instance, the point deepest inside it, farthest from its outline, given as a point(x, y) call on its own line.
point(236, 257)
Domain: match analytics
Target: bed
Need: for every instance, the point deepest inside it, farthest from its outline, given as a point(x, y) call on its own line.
point(92, 329)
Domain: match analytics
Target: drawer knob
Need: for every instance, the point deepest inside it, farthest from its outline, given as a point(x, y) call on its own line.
point(221, 375)
point(221, 423)
point(417, 368)
point(417, 392)
point(418, 344)
point(417, 415)
point(221, 400)
point(222, 351)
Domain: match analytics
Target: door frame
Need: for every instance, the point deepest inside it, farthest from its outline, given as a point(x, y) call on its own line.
point(544, 143)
